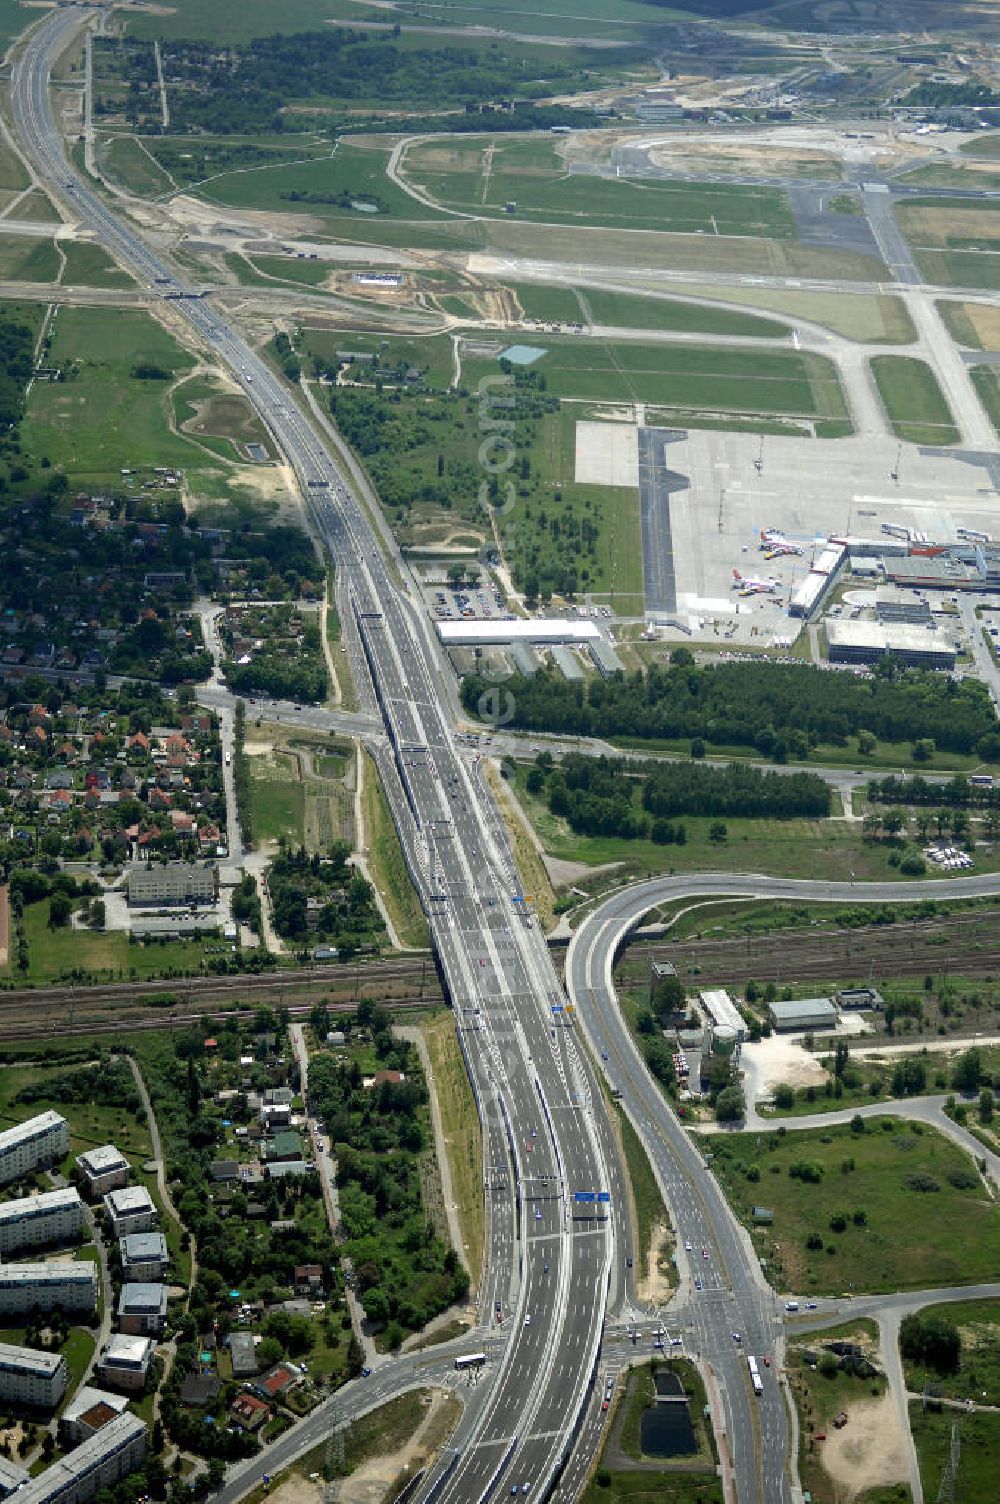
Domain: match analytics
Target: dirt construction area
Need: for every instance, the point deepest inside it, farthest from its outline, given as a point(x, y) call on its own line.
point(778, 1060)
point(868, 1452)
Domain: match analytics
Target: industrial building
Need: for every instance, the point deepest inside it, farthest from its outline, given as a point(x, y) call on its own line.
point(494, 631)
point(867, 642)
point(125, 1361)
point(526, 660)
point(104, 1169)
point(144, 1256)
point(131, 1209)
point(107, 1457)
point(34, 1145)
point(605, 658)
point(823, 571)
point(30, 1377)
point(802, 1016)
point(173, 883)
point(723, 1013)
point(142, 1309)
point(88, 1411)
point(867, 998)
point(49, 1287)
point(35, 1221)
point(568, 664)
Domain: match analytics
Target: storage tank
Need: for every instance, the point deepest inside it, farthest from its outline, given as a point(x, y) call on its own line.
point(724, 1040)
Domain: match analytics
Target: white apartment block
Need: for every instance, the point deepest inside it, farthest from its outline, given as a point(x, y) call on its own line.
point(34, 1221)
point(104, 1169)
point(144, 1257)
point(68, 1287)
point(125, 1361)
point(32, 1145)
point(131, 1209)
point(117, 1449)
point(30, 1377)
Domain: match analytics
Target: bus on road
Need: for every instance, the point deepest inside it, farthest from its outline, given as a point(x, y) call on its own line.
point(471, 1360)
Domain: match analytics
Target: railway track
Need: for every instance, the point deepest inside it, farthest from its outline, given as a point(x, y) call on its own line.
point(965, 944)
point(52, 1023)
point(69, 1008)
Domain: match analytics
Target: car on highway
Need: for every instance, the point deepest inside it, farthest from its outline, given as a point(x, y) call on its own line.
point(527, 1319)
point(697, 1284)
point(704, 1253)
point(687, 1246)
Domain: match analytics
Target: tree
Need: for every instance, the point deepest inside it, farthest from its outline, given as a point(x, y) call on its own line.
point(894, 820)
point(924, 748)
point(60, 909)
point(730, 1105)
point(867, 742)
point(986, 1105)
point(784, 1097)
point(931, 1338)
point(968, 1070)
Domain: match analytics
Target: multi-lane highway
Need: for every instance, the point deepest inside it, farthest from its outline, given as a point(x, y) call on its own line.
point(552, 1257)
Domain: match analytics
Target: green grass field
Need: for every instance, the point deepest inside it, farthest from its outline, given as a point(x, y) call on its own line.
point(978, 1376)
point(627, 310)
point(350, 169)
point(432, 353)
point(101, 419)
point(875, 1172)
point(979, 1458)
point(687, 377)
point(913, 400)
point(61, 953)
point(277, 798)
point(789, 848)
point(650, 1212)
point(485, 174)
point(986, 380)
point(26, 260)
point(90, 265)
point(387, 865)
point(126, 162)
point(955, 241)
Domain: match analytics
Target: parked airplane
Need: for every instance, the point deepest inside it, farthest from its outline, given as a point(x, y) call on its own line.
point(775, 545)
point(749, 585)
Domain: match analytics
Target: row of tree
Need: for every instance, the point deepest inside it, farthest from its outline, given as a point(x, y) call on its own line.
point(775, 709)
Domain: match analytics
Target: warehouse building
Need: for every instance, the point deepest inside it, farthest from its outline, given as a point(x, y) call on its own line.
point(104, 1169)
point(125, 1361)
point(30, 1377)
point(867, 642)
point(142, 1309)
point(605, 658)
point(34, 1145)
point(173, 883)
point(116, 1450)
point(803, 1015)
point(144, 1256)
point(50, 1287)
point(88, 1411)
point(35, 1221)
point(131, 1209)
point(568, 664)
point(723, 1013)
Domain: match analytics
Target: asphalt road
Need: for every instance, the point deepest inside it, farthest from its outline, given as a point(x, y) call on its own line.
point(552, 1257)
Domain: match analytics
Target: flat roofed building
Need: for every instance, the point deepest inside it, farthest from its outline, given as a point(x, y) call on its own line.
point(803, 1015)
point(104, 1169)
point(173, 883)
point(30, 1377)
point(723, 1012)
point(125, 1361)
point(867, 642)
point(107, 1457)
point(492, 630)
point(131, 1209)
point(243, 1355)
point(32, 1145)
point(142, 1309)
point(11, 1477)
point(50, 1287)
point(144, 1256)
point(36, 1221)
point(88, 1411)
